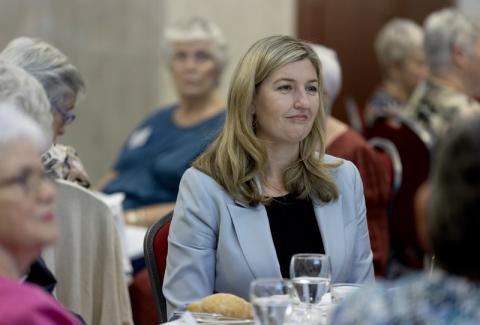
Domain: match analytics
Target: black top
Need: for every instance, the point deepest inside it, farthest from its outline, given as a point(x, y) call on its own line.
point(294, 229)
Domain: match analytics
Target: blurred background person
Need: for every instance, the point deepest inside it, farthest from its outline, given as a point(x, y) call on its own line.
point(452, 49)
point(154, 157)
point(27, 222)
point(264, 190)
point(63, 85)
point(74, 206)
point(343, 142)
point(20, 89)
point(451, 294)
point(399, 50)
point(469, 8)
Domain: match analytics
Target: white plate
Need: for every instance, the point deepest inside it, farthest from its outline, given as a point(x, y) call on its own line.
point(206, 320)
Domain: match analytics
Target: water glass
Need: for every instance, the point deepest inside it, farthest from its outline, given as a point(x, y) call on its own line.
point(310, 275)
point(339, 291)
point(272, 301)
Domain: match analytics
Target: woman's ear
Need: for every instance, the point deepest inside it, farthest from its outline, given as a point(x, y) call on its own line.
point(421, 204)
point(459, 56)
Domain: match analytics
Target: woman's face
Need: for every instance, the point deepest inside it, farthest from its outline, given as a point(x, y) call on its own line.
point(411, 71)
point(63, 115)
point(27, 222)
point(194, 69)
point(287, 103)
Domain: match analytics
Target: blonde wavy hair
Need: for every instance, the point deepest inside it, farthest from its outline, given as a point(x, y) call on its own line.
point(238, 158)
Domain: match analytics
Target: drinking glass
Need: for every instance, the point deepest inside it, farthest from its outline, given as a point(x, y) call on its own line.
point(310, 275)
point(272, 301)
point(339, 291)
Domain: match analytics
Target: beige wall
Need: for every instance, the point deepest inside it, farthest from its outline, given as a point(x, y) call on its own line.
point(115, 45)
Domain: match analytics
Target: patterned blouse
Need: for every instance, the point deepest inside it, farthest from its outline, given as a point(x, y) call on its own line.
point(435, 107)
point(419, 299)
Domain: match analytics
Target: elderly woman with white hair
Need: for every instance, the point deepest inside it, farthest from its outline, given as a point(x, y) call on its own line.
point(63, 85)
point(27, 222)
point(84, 220)
point(399, 50)
point(344, 142)
point(452, 50)
point(154, 157)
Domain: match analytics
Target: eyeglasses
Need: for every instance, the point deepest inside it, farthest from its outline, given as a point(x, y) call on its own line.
point(29, 179)
point(68, 117)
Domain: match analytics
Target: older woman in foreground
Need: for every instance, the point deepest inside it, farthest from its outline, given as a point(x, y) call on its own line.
point(265, 190)
point(27, 223)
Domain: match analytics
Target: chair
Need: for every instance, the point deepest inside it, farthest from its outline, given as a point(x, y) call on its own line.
point(87, 258)
point(354, 115)
point(414, 146)
point(393, 164)
point(156, 248)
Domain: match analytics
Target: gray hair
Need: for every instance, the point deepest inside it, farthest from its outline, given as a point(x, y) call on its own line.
point(19, 89)
point(444, 30)
point(454, 207)
point(58, 76)
point(396, 40)
point(469, 8)
point(197, 29)
point(15, 125)
point(331, 73)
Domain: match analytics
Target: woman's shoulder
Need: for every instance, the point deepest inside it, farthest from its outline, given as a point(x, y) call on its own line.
point(339, 166)
point(197, 178)
point(33, 301)
point(158, 116)
point(343, 171)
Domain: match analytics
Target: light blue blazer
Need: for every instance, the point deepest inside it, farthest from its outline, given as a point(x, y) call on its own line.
point(217, 244)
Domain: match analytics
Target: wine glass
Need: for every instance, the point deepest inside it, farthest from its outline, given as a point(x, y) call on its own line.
point(272, 301)
point(310, 275)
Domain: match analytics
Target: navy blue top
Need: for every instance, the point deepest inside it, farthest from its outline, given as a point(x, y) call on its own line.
point(156, 154)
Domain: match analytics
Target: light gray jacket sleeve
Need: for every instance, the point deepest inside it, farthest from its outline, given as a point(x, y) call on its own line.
point(191, 245)
point(362, 269)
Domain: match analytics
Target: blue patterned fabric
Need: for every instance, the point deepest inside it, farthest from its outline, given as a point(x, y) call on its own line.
point(418, 299)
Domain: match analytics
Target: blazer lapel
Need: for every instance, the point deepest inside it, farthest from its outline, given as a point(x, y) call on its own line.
point(329, 217)
point(253, 233)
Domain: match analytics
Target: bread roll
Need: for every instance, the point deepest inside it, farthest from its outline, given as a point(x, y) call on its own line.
point(223, 303)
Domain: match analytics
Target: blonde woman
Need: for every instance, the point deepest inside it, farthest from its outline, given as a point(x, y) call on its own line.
point(263, 191)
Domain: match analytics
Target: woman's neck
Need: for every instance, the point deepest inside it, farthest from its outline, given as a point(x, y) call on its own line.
point(191, 111)
point(450, 81)
point(8, 267)
point(395, 90)
point(279, 158)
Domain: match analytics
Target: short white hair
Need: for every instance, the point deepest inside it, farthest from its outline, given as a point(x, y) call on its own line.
point(58, 76)
point(396, 40)
point(445, 30)
point(195, 29)
point(22, 91)
point(331, 73)
point(15, 125)
point(470, 8)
